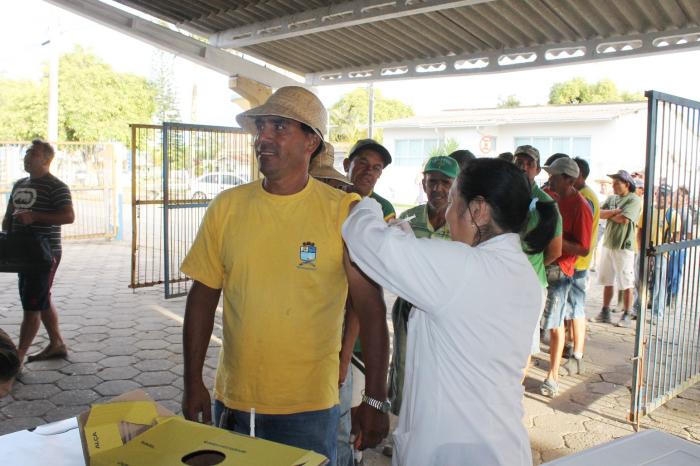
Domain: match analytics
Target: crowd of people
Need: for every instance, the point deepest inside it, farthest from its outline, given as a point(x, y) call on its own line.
point(301, 259)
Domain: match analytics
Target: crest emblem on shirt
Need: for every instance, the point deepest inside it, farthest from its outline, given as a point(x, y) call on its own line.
point(307, 255)
point(24, 198)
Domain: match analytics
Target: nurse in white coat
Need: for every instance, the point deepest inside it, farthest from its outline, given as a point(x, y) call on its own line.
point(476, 300)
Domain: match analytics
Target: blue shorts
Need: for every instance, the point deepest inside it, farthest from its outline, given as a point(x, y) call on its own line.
point(35, 287)
point(576, 300)
point(558, 285)
point(310, 430)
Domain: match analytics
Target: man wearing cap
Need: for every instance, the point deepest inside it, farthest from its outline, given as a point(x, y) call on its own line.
point(426, 221)
point(364, 165)
point(577, 221)
point(576, 299)
point(527, 158)
point(275, 249)
point(621, 210)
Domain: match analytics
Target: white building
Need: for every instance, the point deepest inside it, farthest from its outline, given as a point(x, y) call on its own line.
point(609, 136)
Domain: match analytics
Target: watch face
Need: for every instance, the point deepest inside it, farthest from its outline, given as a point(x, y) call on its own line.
point(386, 406)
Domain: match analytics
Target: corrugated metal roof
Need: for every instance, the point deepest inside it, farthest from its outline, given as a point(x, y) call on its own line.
point(480, 27)
point(518, 115)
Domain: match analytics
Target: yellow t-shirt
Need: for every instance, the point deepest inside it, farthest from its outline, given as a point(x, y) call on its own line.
point(279, 261)
point(665, 226)
point(583, 262)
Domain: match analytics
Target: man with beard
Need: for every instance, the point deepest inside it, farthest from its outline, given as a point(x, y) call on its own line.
point(426, 221)
point(275, 249)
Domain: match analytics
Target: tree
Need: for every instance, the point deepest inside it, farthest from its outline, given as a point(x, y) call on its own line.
point(162, 72)
point(578, 91)
point(509, 102)
point(445, 147)
point(349, 116)
point(95, 102)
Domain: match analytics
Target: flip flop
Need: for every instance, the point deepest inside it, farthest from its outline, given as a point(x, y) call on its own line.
point(49, 353)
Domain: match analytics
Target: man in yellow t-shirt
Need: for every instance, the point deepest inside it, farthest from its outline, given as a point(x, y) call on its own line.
point(275, 249)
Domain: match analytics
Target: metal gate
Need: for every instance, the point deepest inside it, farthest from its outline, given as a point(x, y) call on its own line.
point(667, 348)
point(177, 169)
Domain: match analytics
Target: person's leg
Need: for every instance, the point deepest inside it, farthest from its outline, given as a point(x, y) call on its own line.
point(49, 317)
point(556, 345)
point(27, 331)
point(608, 292)
point(625, 265)
point(554, 322)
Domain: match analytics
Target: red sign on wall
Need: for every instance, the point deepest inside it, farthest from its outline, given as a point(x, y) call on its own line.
point(486, 144)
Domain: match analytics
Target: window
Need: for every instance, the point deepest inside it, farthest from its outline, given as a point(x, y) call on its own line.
point(412, 152)
point(548, 145)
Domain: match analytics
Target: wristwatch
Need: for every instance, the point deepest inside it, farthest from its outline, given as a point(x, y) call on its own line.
point(383, 406)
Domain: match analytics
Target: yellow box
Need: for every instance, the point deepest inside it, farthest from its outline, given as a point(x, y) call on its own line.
point(133, 430)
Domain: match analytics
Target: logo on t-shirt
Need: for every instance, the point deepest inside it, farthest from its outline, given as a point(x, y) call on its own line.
point(24, 198)
point(307, 255)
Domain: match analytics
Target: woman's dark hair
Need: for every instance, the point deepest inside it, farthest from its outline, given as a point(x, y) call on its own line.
point(308, 129)
point(463, 157)
point(9, 361)
point(507, 191)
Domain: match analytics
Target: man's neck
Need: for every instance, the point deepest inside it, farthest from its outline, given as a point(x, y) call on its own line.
point(436, 217)
point(286, 186)
point(38, 174)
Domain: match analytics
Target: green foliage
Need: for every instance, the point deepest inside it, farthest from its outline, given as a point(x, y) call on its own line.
point(23, 110)
point(445, 147)
point(509, 102)
point(578, 91)
point(349, 116)
point(95, 102)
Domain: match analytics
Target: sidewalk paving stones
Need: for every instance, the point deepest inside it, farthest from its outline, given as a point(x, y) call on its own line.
point(121, 339)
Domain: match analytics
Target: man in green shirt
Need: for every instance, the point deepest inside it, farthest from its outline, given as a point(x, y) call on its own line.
point(621, 210)
point(364, 165)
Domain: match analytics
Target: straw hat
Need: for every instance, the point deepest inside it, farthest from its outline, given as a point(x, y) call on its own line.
point(322, 166)
point(293, 102)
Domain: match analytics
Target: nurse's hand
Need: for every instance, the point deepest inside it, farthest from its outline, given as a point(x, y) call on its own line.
point(374, 427)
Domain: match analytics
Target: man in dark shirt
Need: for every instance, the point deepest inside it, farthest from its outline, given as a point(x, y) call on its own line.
point(39, 204)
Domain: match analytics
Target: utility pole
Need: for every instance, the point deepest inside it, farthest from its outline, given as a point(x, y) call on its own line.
point(370, 117)
point(52, 42)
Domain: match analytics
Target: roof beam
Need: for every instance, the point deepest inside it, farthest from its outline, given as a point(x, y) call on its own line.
point(517, 59)
point(337, 16)
point(174, 42)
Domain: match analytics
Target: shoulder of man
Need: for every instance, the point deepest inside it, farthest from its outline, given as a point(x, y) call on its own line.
point(412, 211)
point(387, 209)
point(540, 194)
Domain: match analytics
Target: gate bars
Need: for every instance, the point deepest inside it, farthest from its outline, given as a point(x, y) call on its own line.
point(173, 168)
point(667, 346)
point(198, 162)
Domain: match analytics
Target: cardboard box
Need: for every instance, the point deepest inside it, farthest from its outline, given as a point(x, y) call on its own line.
point(132, 430)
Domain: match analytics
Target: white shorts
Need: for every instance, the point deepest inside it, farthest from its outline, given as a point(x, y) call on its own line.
point(616, 268)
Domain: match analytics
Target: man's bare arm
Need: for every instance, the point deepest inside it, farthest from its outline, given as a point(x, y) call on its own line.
point(368, 302)
point(62, 216)
point(196, 333)
point(573, 248)
point(553, 250)
point(606, 214)
point(351, 330)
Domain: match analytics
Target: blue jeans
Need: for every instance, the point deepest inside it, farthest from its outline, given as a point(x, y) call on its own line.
point(310, 430)
point(576, 300)
point(345, 456)
point(660, 264)
point(558, 285)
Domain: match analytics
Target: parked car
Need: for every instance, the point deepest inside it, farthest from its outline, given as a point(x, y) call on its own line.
point(209, 185)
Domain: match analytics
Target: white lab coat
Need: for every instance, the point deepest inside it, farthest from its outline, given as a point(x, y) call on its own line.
point(469, 336)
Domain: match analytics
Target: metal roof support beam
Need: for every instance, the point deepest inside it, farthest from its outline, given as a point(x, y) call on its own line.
point(337, 16)
point(174, 42)
point(517, 59)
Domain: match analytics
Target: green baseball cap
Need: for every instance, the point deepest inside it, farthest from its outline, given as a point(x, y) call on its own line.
point(442, 164)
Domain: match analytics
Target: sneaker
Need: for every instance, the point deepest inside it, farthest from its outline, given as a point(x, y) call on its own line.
point(603, 316)
point(625, 320)
point(549, 388)
point(572, 366)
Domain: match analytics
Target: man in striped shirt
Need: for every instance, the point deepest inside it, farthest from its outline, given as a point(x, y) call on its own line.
point(39, 204)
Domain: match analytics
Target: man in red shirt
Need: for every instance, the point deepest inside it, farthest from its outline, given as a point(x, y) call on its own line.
point(577, 222)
